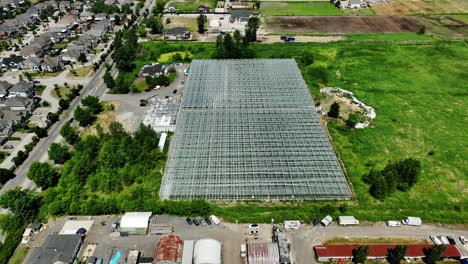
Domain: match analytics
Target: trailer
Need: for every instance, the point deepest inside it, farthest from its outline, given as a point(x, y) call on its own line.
point(412, 221)
point(347, 220)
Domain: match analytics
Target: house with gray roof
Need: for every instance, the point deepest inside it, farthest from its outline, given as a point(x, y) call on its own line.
point(57, 249)
point(52, 64)
point(177, 33)
point(4, 86)
point(6, 128)
point(12, 63)
point(31, 51)
point(8, 31)
point(21, 89)
point(20, 104)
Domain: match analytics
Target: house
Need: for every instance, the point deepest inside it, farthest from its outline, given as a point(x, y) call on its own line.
point(72, 53)
point(31, 51)
point(52, 64)
point(21, 89)
point(15, 117)
point(57, 249)
point(8, 31)
point(238, 5)
point(177, 33)
point(6, 128)
point(203, 9)
point(12, 63)
point(69, 21)
point(354, 4)
point(153, 70)
point(78, 5)
point(345, 252)
point(33, 64)
point(64, 6)
point(20, 104)
point(100, 16)
point(4, 86)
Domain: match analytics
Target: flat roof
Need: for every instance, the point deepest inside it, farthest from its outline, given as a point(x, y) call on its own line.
point(135, 220)
point(55, 248)
point(72, 226)
point(248, 130)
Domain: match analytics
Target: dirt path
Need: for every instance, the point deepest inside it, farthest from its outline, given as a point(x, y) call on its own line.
point(319, 39)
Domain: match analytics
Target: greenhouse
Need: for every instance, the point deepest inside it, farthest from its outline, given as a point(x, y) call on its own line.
point(248, 130)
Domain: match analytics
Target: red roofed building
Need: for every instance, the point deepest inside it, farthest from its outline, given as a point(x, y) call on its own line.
point(337, 252)
point(169, 250)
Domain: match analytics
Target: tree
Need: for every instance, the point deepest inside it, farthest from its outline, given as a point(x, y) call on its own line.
point(422, 30)
point(360, 254)
point(108, 80)
point(93, 104)
point(117, 19)
point(257, 4)
point(41, 132)
point(59, 153)
point(201, 21)
point(64, 104)
point(408, 171)
point(251, 29)
point(52, 117)
point(307, 58)
point(82, 58)
point(24, 203)
point(69, 133)
point(6, 175)
point(84, 116)
point(433, 253)
point(43, 174)
point(352, 120)
point(397, 254)
point(334, 110)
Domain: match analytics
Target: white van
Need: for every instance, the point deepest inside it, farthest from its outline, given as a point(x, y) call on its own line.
point(215, 220)
point(393, 223)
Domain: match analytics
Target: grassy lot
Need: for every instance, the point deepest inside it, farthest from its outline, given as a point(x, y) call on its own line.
point(190, 23)
point(299, 9)
point(3, 155)
point(19, 255)
point(80, 72)
point(61, 92)
point(46, 74)
point(168, 57)
point(375, 241)
point(391, 37)
point(359, 12)
point(420, 100)
point(40, 89)
point(141, 85)
point(190, 6)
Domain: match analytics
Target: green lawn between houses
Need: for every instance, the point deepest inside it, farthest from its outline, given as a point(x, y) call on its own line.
point(418, 92)
point(299, 9)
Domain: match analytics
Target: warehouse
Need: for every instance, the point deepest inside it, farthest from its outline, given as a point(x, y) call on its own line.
point(343, 252)
point(56, 249)
point(207, 251)
point(169, 250)
point(263, 253)
point(134, 223)
point(248, 130)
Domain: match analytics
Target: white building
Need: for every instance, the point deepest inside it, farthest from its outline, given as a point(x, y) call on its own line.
point(347, 220)
point(134, 223)
point(162, 141)
point(207, 251)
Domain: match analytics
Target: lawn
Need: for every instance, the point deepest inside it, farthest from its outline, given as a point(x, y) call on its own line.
point(80, 72)
point(190, 23)
point(191, 6)
point(168, 57)
point(40, 89)
point(61, 92)
point(141, 85)
point(417, 91)
point(391, 37)
point(299, 9)
point(19, 255)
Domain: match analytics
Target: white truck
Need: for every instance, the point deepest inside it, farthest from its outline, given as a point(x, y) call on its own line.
point(412, 221)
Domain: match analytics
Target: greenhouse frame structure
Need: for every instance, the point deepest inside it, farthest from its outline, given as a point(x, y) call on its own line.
point(248, 130)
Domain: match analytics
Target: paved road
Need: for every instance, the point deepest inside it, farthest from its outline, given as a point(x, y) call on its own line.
point(95, 87)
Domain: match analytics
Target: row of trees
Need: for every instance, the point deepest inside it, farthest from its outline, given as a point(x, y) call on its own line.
point(396, 255)
point(401, 175)
point(86, 115)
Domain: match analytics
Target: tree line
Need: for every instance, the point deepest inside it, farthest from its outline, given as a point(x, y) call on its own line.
point(397, 254)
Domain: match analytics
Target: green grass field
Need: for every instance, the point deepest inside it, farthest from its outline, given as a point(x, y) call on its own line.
point(299, 9)
point(418, 92)
point(19, 255)
point(190, 6)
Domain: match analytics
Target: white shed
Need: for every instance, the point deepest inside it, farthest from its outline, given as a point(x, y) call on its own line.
point(292, 225)
point(162, 141)
point(347, 220)
point(134, 223)
point(207, 251)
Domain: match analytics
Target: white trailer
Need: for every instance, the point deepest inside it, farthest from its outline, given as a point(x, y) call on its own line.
point(162, 141)
point(412, 221)
point(327, 220)
point(347, 220)
point(292, 225)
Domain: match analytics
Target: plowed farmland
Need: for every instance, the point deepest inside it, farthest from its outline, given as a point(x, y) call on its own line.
point(421, 7)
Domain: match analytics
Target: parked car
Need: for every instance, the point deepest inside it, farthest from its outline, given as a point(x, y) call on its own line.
point(215, 220)
point(444, 240)
point(463, 240)
point(195, 221)
point(243, 250)
point(436, 240)
point(393, 223)
point(189, 221)
point(208, 221)
point(8, 147)
point(253, 226)
point(202, 221)
point(175, 91)
point(451, 240)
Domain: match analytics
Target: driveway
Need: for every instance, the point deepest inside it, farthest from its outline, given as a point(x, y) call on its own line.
point(8, 163)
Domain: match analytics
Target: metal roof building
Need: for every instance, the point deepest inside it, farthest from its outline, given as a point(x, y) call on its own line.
point(248, 129)
point(134, 223)
point(169, 250)
point(56, 249)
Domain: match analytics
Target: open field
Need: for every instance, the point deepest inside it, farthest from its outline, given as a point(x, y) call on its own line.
point(375, 240)
point(19, 255)
point(191, 6)
point(446, 26)
point(61, 92)
point(299, 9)
point(421, 7)
point(416, 89)
point(342, 25)
point(190, 23)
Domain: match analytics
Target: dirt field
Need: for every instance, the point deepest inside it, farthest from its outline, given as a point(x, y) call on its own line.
point(421, 6)
point(342, 25)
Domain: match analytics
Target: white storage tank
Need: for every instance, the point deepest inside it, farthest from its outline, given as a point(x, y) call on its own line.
point(207, 251)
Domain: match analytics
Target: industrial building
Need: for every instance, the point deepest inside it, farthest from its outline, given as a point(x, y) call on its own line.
point(263, 253)
point(248, 130)
point(345, 252)
point(169, 250)
point(56, 249)
point(207, 251)
point(135, 223)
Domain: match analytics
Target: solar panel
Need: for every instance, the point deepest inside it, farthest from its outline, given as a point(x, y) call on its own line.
point(248, 130)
